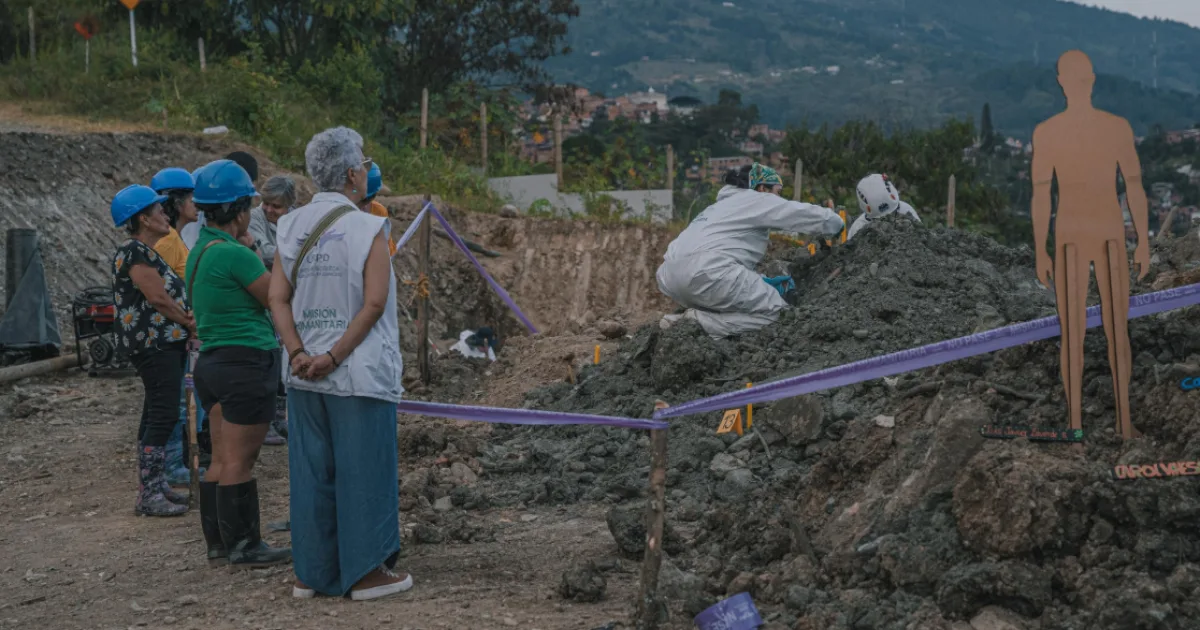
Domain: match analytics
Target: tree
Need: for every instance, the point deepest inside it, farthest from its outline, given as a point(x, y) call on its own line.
point(987, 135)
point(439, 43)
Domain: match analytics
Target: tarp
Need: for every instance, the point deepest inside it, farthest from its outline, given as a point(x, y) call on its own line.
point(29, 323)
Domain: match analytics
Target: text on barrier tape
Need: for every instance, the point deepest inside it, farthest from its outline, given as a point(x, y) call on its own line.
point(926, 356)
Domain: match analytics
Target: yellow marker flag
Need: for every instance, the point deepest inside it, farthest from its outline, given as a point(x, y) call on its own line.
point(730, 421)
point(596, 357)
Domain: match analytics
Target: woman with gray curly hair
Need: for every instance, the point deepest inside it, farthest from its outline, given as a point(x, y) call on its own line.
point(333, 298)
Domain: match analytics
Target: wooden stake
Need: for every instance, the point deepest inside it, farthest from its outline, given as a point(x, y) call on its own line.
point(87, 56)
point(798, 185)
point(483, 138)
point(32, 39)
point(193, 443)
point(596, 356)
point(1164, 230)
point(203, 61)
point(424, 117)
point(423, 244)
point(558, 157)
point(670, 167)
point(950, 204)
point(648, 604)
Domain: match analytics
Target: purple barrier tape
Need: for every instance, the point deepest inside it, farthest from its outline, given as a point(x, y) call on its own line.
point(521, 416)
point(474, 261)
point(412, 230)
point(926, 356)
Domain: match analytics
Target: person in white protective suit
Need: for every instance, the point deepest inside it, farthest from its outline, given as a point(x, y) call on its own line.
point(877, 197)
point(709, 268)
point(477, 344)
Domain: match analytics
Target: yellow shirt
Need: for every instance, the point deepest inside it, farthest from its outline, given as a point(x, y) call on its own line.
point(172, 250)
point(377, 209)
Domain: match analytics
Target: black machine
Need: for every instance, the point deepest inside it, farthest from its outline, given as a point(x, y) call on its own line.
point(95, 317)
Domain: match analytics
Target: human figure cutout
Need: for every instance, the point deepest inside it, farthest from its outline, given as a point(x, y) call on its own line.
point(1084, 148)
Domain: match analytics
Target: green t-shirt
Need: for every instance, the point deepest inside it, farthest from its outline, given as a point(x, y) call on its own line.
point(226, 313)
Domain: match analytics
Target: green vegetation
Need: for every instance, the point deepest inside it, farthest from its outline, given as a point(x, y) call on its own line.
point(278, 72)
point(951, 55)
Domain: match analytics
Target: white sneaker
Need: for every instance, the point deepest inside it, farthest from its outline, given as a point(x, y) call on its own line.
point(302, 592)
point(391, 584)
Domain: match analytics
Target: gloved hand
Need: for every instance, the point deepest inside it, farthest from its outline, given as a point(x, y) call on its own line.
point(782, 284)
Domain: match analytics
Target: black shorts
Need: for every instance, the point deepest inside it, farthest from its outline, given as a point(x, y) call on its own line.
point(244, 381)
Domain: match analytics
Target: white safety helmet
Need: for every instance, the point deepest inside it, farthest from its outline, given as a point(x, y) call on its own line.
point(877, 196)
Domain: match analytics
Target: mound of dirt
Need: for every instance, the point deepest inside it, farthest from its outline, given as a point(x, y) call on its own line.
point(879, 505)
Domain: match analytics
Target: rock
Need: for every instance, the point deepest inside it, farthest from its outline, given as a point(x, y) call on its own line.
point(886, 422)
point(583, 583)
point(444, 504)
point(1019, 586)
point(799, 598)
point(509, 621)
point(741, 583)
point(1013, 500)
point(508, 211)
point(799, 419)
point(996, 618)
point(611, 329)
point(187, 600)
point(462, 474)
point(676, 584)
point(736, 485)
point(861, 333)
point(724, 463)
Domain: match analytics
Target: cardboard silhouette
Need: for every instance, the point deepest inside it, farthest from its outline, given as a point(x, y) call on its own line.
point(1084, 148)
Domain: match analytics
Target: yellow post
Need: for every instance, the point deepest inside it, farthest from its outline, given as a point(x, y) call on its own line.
point(749, 411)
point(596, 356)
point(845, 224)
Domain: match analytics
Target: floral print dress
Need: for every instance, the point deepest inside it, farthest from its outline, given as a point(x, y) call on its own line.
point(140, 327)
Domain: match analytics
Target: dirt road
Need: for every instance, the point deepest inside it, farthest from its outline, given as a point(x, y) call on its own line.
point(75, 556)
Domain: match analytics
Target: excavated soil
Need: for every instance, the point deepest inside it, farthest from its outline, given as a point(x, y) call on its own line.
point(880, 505)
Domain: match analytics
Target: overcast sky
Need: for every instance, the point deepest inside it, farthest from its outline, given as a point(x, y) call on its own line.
point(1186, 11)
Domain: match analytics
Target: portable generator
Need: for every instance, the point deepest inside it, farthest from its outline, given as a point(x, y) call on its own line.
point(95, 318)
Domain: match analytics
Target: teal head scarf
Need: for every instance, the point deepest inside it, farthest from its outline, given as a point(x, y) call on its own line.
point(763, 175)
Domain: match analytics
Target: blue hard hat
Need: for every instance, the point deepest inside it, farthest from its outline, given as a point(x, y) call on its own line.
point(172, 179)
point(222, 181)
point(374, 180)
point(132, 200)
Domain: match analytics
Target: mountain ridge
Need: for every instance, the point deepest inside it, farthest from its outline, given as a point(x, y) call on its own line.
point(903, 62)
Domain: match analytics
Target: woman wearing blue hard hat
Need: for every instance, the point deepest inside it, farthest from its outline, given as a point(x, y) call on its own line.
point(369, 205)
point(238, 372)
point(177, 184)
point(154, 326)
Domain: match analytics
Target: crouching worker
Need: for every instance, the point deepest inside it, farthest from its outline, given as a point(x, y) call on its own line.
point(877, 197)
point(709, 268)
point(238, 372)
point(476, 344)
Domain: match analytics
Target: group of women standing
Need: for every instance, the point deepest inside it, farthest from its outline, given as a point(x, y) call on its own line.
point(329, 295)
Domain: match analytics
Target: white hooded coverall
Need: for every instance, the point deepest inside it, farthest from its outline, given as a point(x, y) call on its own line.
point(709, 268)
point(862, 220)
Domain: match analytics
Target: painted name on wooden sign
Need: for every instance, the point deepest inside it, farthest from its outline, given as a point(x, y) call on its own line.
point(1154, 471)
point(1037, 434)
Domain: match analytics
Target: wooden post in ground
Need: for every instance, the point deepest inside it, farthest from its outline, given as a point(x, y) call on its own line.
point(423, 243)
point(1164, 230)
point(32, 39)
point(193, 442)
point(558, 157)
point(950, 204)
point(424, 117)
point(799, 181)
point(483, 136)
point(670, 167)
point(203, 61)
point(648, 604)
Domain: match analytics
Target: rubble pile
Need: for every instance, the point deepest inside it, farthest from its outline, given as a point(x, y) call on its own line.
point(880, 505)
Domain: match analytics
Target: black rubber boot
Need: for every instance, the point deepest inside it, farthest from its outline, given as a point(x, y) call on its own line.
point(237, 508)
point(217, 554)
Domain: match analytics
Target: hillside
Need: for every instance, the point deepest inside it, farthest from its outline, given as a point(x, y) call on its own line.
point(904, 62)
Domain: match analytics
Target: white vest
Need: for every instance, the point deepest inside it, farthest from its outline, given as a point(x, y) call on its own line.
point(329, 293)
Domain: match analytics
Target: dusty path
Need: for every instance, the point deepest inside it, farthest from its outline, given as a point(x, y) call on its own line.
point(75, 556)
